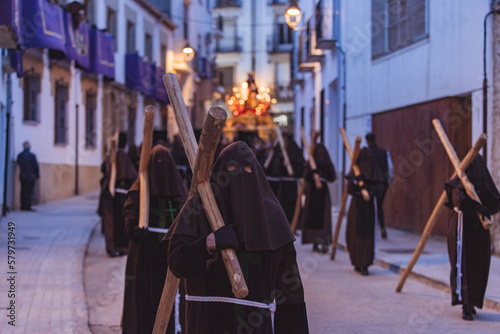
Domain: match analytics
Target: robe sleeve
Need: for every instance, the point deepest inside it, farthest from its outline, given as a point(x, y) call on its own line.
point(131, 214)
point(290, 316)
point(188, 257)
point(352, 187)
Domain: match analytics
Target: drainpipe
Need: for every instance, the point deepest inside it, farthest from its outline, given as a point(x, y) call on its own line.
point(485, 85)
point(76, 130)
point(7, 136)
point(344, 105)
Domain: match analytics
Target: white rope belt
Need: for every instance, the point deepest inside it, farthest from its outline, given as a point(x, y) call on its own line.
point(460, 238)
point(158, 230)
point(271, 307)
point(121, 191)
point(282, 178)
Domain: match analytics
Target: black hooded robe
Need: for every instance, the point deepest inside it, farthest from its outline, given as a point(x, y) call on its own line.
point(361, 218)
point(316, 216)
point(126, 174)
point(285, 189)
point(266, 254)
point(476, 244)
point(146, 267)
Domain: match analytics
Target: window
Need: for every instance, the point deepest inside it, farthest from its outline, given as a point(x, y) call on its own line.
point(397, 24)
point(284, 34)
point(61, 99)
point(130, 37)
point(163, 56)
point(90, 128)
point(31, 102)
point(229, 41)
point(148, 46)
point(112, 25)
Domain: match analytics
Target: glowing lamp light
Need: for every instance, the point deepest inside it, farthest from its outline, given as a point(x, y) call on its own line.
point(244, 85)
point(292, 16)
point(188, 52)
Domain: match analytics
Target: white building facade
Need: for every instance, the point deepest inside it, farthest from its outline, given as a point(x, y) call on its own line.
point(406, 63)
point(68, 109)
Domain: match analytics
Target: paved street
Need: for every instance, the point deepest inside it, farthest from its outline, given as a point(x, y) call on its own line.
point(67, 284)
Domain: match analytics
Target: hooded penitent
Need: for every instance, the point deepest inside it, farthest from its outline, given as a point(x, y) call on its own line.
point(266, 253)
point(316, 217)
point(147, 259)
point(476, 247)
point(361, 218)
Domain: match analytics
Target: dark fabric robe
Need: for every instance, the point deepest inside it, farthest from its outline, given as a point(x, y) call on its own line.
point(266, 253)
point(106, 208)
point(126, 174)
point(361, 219)
point(146, 267)
point(316, 216)
point(476, 244)
point(286, 190)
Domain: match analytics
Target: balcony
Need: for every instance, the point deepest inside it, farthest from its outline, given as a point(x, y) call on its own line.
point(313, 54)
point(275, 45)
point(303, 64)
point(282, 93)
point(277, 2)
point(227, 45)
point(228, 3)
point(327, 23)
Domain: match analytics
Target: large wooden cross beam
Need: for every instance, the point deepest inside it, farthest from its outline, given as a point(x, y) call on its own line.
point(353, 154)
point(471, 155)
point(286, 159)
point(200, 158)
point(147, 145)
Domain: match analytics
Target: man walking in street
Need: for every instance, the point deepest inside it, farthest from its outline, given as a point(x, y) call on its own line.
point(28, 167)
point(384, 163)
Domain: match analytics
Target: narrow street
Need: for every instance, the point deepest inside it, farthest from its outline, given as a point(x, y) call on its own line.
point(67, 284)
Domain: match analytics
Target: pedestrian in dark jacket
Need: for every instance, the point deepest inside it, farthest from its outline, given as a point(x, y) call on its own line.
point(28, 167)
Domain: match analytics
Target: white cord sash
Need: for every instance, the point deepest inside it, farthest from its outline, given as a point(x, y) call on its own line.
point(460, 238)
point(271, 307)
point(158, 230)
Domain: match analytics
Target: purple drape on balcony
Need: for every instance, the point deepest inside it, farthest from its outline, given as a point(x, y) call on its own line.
point(102, 56)
point(10, 24)
point(161, 92)
point(43, 25)
point(140, 75)
point(77, 42)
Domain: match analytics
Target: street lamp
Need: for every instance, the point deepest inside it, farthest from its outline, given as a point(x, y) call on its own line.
point(292, 16)
point(188, 52)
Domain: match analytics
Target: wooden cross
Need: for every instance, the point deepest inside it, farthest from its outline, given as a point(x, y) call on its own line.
point(298, 202)
point(147, 143)
point(312, 162)
point(286, 159)
point(200, 158)
point(355, 168)
point(471, 155)
point(112, 159)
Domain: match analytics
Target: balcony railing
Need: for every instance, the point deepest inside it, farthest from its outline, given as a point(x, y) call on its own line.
point(282, 93)
point(227, 3)
point(228, 45)
point(277, 2)
point(274, 45)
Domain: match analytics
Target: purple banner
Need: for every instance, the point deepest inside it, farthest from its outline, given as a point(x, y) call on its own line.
point(102, 56)
point(10, 24)
point(43, 25)
point(140, 75)
point(77, 42)
point(161, 92)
